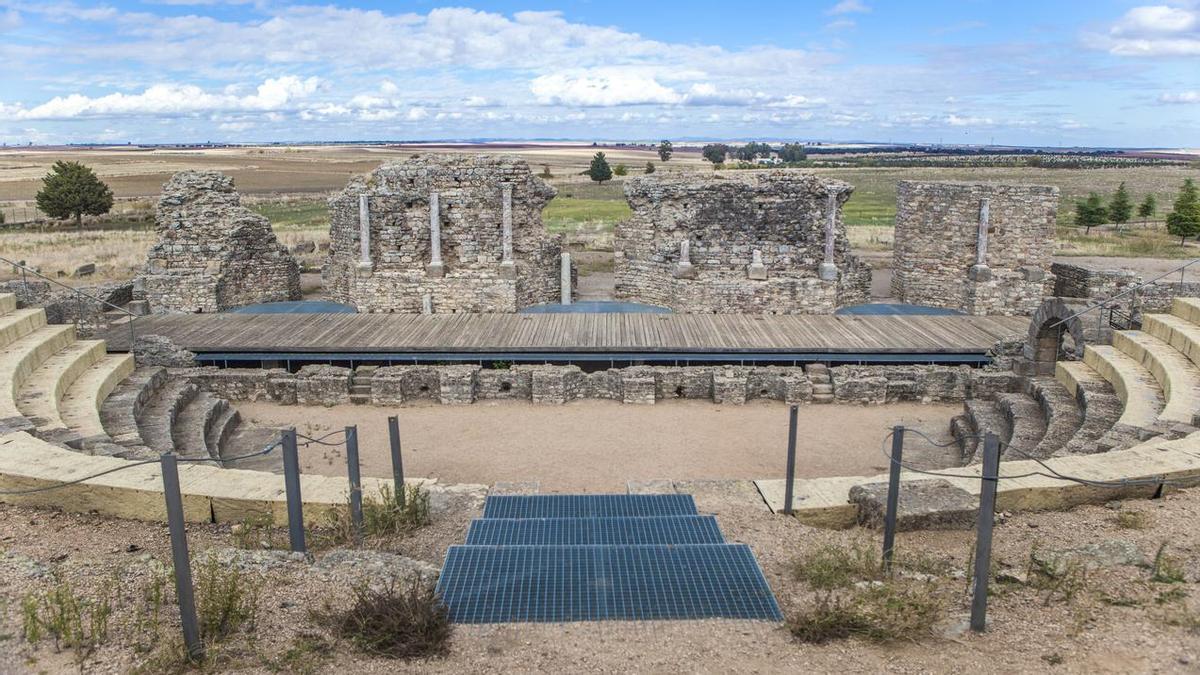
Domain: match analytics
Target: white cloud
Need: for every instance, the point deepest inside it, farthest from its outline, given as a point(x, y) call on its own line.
point(170, 100)
point(1153, 30)
point(601, 88)
point(1181, 97)
point(416, 114)
point(849, 7)
point(841, 24)
point(968, 121)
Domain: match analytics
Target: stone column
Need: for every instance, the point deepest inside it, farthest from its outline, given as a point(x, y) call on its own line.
point(565, 278)
point(684, 269)
point(508, 269)
point(757, 270)
point(364, 232)
point(435, 268)
point(427, 304)
point(828, 270)
point(980, 270)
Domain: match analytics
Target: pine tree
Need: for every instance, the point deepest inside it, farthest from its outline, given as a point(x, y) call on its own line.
point(1148, 206)
point(600, 171)
point(73, 190)
point(1120, 209)
point(620, 170)
point(665, 150)
point(1184, 219)
point(1090, 213)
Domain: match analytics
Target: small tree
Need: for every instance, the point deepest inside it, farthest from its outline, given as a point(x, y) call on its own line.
point(1090, 212)
point(715, 152)
point(73, 190)
point(649, 169)
point(1184, 220)
point(600, 171)
point(546, 171)
point(1120, 209)
point(1147, 208)
point(665, 150)
point(620, 170)
point(793, 152)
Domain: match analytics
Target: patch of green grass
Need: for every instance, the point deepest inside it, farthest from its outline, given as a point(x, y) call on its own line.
point(832, 566)
point(383, 516)
point(567, 214)
point(294, 214)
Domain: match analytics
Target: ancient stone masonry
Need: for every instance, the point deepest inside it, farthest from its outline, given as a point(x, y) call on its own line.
point(546, 384)
point(983, 248)
point(212, 253)
point(441, 234)
point(757, 242)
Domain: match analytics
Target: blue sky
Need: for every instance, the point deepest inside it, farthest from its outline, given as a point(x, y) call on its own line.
point(1105, 72)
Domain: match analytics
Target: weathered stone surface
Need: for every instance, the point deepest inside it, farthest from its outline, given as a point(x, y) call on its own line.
point(212, 253)
point(1107, 553)
point(469, 274)
point(323, 385)
point(721, 222)
point(158, 350)
point(937, 245)
point(922, 505)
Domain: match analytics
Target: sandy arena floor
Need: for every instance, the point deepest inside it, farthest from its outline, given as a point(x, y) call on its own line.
point(597, 446)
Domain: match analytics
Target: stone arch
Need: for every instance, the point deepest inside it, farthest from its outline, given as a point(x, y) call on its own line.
point(1053, 321)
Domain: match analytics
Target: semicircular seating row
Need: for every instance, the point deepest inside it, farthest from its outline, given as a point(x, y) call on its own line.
point(1129, 410)
point(68, 410)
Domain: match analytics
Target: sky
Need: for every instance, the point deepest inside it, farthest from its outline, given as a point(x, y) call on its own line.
point(1053, 72)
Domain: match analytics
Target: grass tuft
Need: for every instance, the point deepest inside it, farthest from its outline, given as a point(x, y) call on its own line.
point(70, 620)
point(396, 623)
point(226, 600)
point(887, 612)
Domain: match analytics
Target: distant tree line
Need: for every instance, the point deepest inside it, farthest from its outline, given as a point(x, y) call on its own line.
point(789, 153)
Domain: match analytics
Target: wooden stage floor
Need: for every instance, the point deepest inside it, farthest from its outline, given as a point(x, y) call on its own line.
point(597, 333)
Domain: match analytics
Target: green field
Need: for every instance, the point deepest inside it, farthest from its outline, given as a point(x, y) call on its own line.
point(296, 214)
point(568, 213)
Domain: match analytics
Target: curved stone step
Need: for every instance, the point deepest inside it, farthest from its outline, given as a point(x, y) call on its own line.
point(20, 359)
point(984, 417)
point(122, 408)
point(40, 397)
point(157, 421)
point(1099, 401)
point(1187, 309)
point(1062, 412)
point(221, 430)
point(1174, 372)
point(1026, 421)
point(17, 324)
point(80, 407)
point(1136, 387)
point(191, 428)
point(1181, 334)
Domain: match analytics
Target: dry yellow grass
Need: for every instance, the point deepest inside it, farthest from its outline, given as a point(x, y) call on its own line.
point(118, 254)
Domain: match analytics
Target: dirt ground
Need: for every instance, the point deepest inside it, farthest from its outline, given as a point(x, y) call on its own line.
point(597, 446)
point(1113, 625)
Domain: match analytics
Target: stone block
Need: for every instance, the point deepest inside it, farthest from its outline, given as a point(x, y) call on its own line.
point(730, 387)
point(555, 385)
point(922, 505)
point(684, 383)
point(323, 385)
point(503, 383)
point(638, 387)
point(865, 390)
point(456, 384)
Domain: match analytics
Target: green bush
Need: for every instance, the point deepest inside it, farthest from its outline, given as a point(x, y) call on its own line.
point(226, 600)
point(884, 613)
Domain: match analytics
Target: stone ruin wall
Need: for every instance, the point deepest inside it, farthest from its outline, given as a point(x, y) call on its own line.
point(547, 384)
point(943, 259)
point(473, 273)
point(783, 215)
point(212, 253)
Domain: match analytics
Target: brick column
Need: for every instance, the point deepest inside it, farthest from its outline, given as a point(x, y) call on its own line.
point(507, 266)
point(980, 270)
point(364, 232)
point(828, 270)
point(435, 268)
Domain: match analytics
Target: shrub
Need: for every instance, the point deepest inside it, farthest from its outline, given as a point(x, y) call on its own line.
point(546, 171)
point(883, 613)
point(396, 623)
point(226, 600)
point(383, 516)
point(831, 566)
point(1132, 520)
point(620, 170)
point(72, 621)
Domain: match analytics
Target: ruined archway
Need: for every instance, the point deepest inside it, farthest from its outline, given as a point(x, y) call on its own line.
point(1054, 326)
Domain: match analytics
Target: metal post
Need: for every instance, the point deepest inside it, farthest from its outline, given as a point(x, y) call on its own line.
point(356, 507)
point(397, 459)
point(291, 482)
point(893, 497)
point(983, 535)
point(789, 486)
point(180, 558)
